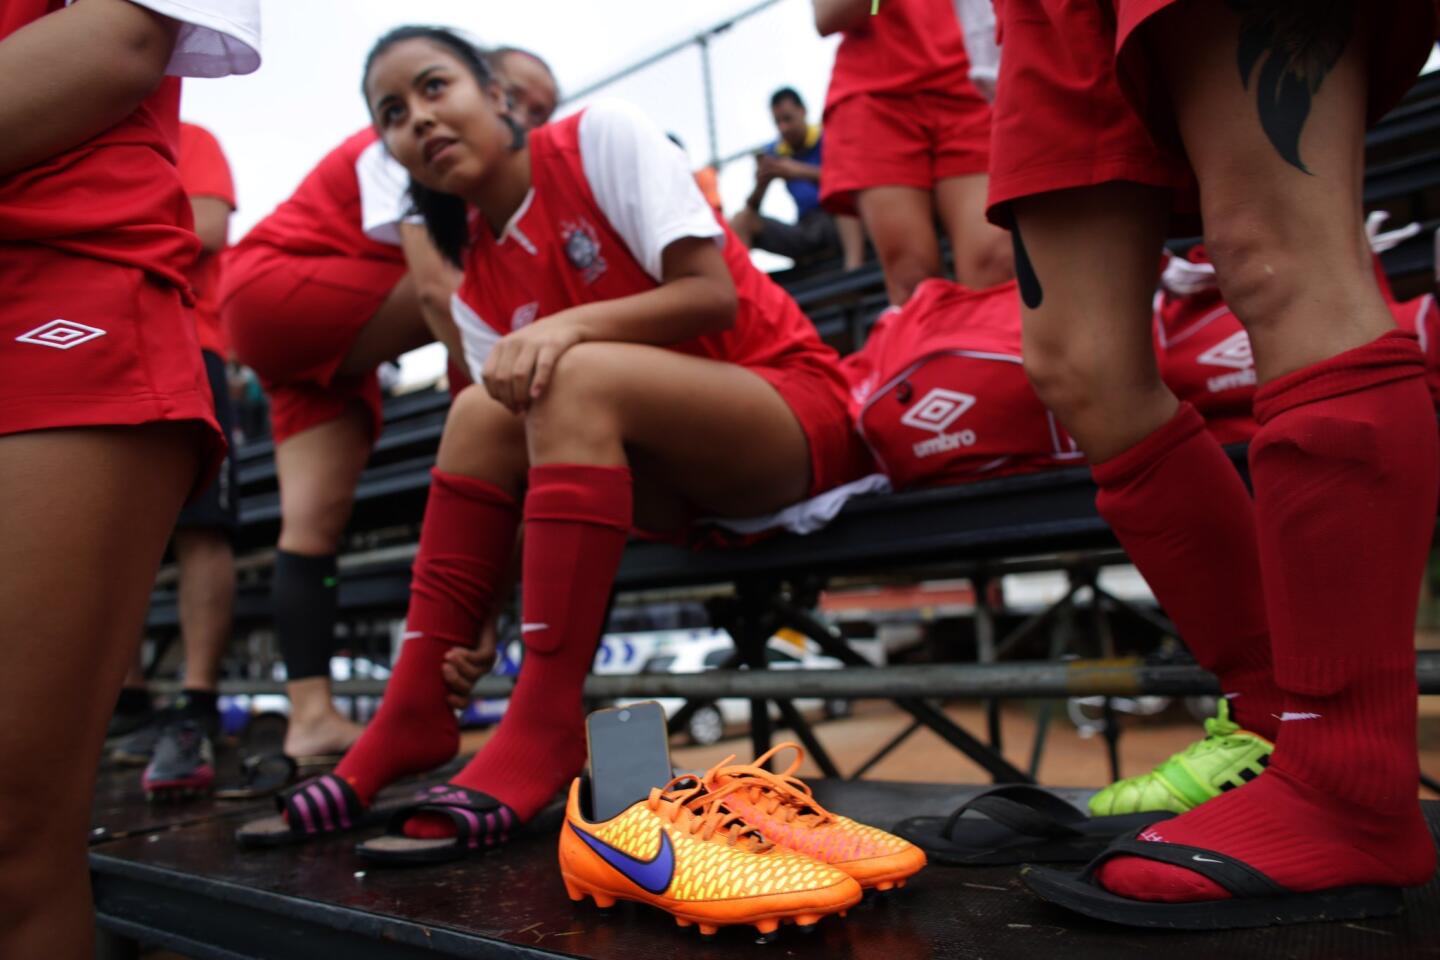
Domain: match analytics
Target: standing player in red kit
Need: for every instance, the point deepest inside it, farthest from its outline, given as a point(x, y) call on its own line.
point(637, 371)
point(907, 141)
point(1108, 112)
point(317, 295)
point(177, 744)
point(105, 417)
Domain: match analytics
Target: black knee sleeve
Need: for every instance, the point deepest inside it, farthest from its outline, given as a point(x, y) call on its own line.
point(303, 598)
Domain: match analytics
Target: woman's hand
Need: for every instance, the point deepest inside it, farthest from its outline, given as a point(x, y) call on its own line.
point(522, 364)
point(462, 667)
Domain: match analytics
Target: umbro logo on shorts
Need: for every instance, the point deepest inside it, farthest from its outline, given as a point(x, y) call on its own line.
point(60, 334)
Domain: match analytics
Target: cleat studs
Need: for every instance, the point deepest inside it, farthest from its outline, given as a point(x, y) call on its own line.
point(573, 892)
point(766, 927)
point(708, 930)
point(683, 922)
point(807, 922)
point(900, 883)
point(603, 900)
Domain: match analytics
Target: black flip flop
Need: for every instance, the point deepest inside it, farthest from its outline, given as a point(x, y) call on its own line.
point(1256, 900)
point(1024, 824)
point(261, 776)
point(318, 807)
point(481, 823)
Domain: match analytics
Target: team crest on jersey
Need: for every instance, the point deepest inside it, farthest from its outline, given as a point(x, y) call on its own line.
point(935, 413)
point(1233, 352)
point(582, 248)
point(524, 315)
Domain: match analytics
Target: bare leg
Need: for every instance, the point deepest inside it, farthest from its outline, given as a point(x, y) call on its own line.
point(981, 249)
point(901, 225)
point(75, 584)
point(852, 241)
point(318, 471)
point(207, 600)
point(397, 327)
point(1088, 348)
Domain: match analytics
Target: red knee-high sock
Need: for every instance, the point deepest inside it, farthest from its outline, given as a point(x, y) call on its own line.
point(465, 543)
point(1181, 512)
point(1345, 470)
point(577, 519)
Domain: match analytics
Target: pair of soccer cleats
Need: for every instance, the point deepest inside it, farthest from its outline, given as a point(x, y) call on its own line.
point(737, 845)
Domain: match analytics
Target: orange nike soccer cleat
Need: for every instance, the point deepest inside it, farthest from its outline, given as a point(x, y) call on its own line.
point(682, 851)
point(781, 807)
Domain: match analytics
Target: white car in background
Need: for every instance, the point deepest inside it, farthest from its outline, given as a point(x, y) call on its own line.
point(700, 650)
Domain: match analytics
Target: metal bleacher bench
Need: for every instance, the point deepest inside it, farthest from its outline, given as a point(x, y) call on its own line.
point(978, 531)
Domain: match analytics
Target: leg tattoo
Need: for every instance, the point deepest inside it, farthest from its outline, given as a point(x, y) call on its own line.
point(1030, 291)
point(1299, 42)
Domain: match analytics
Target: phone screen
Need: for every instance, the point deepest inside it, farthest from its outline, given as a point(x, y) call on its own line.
point(629, 755)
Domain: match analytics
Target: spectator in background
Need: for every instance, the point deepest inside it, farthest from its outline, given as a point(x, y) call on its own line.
point(909, 139)
point(795, 158)
point(177, 742)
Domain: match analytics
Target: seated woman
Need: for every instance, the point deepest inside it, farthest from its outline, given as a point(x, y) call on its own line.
point(322, 291)
point(633, 370)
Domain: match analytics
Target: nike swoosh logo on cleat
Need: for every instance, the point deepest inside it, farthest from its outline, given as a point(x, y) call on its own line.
point(653, 875)
point(1199, 859)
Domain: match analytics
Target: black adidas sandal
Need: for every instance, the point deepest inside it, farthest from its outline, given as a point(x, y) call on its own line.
point(317, 807)
point(1256, 900)
point(481, 823)
point(1024, 824)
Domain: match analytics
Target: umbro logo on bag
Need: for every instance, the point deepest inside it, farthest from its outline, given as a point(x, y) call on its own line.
point(60, 334)
point(1233, 352)
point(935, 412)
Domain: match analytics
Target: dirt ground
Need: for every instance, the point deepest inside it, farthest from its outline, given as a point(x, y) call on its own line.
point(1067, 760)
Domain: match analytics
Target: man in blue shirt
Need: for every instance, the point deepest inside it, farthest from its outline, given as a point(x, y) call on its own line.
point(795, 158)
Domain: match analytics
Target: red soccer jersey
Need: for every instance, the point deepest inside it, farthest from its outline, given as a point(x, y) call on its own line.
point(204, 172)
point(117, 196)
point(907, 47)
point(323, 216)
point(560, 250)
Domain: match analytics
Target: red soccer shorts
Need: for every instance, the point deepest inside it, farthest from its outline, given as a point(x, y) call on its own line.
point(293, 319)
point(905, 140)
point(86, 342)
point(1066, 116)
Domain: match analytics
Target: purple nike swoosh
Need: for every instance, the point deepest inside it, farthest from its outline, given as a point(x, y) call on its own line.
point(652, 875)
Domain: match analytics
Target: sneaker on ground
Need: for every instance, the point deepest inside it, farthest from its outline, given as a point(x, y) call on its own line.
point(1227, 758)
point(683, 851)
point(782, 808)
point(183, 764)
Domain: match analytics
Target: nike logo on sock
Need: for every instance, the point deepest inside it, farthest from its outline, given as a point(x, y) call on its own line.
point(532, 627)
point(412, 634)
point(652, 875)
point(1199, 859)
point(1287, 715)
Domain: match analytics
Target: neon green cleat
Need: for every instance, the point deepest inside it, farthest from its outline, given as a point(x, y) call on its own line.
point(1227, 758)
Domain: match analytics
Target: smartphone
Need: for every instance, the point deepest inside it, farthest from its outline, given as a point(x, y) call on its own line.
point(629, 755)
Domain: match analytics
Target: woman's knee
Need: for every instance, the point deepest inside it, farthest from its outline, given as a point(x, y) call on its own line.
point(988, 261)
point(313, 516)
point(483, 439)
point(581, 413)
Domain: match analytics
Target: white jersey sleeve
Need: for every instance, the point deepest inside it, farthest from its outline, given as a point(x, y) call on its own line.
point(384, 194)
point(217, 38)
point(977, 24)
point(642, 183)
